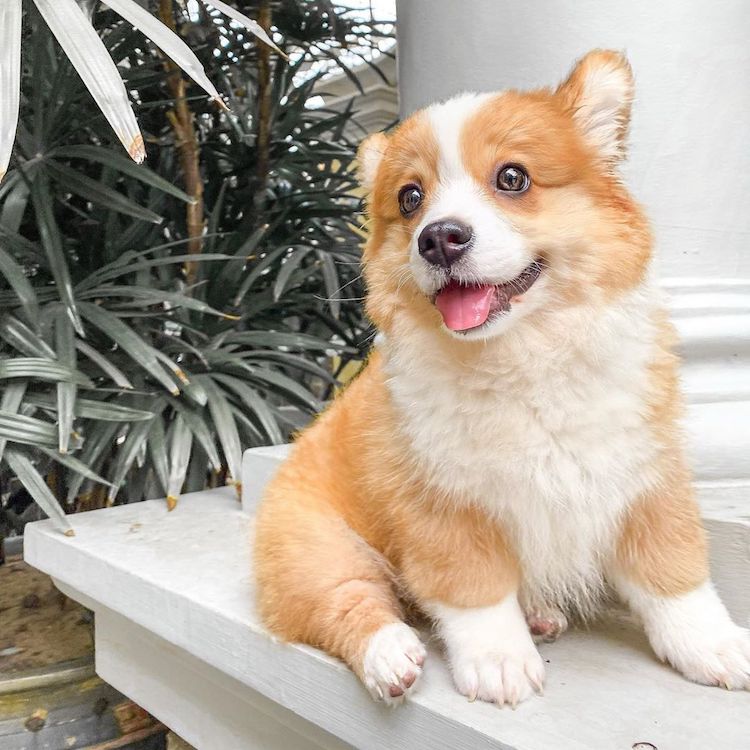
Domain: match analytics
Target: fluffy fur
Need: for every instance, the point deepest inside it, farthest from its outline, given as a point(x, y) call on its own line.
point(518, 470)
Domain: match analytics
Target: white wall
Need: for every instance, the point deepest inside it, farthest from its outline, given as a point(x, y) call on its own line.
point(690, 153)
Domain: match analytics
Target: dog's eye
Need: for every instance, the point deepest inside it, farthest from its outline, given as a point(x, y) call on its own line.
point(512, 179)
point(409, 199)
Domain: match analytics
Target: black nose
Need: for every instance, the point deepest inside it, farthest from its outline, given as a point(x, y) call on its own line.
point(442, 243)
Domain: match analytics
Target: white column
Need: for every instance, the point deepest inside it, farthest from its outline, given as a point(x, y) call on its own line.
point(689, 163)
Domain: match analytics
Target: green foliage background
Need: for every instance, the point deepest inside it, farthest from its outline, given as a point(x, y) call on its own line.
point(130, 368)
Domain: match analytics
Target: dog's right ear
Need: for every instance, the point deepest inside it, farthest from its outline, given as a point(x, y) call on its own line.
point(369, 156)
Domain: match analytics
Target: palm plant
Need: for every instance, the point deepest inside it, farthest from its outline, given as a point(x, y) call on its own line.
point(137, 357)
point(68, 20)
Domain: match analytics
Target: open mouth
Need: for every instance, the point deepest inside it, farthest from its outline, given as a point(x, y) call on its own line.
point(468, 306)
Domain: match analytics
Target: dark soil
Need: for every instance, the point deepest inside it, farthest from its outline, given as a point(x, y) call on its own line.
point(38, 625)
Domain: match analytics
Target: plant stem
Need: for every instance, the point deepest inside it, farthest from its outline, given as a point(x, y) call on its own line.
point(186, 140)
point(264, 102)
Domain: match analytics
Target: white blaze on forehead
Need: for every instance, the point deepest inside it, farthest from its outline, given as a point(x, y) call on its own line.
point(447, 120)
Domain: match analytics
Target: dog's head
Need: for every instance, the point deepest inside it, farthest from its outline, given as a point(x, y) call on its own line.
point(489, 208)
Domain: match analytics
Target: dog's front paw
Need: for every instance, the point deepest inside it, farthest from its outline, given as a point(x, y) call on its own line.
point(393, 662)
point(695, 634)
point(712, 657)
point(490, 650)
point(499, 677)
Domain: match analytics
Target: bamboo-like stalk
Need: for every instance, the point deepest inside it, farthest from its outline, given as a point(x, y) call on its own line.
point(264, 102)
point(186, 138)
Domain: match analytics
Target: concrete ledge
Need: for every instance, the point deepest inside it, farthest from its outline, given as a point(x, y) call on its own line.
point(176, 630)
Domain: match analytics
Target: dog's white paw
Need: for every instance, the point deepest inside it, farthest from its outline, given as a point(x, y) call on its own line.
point(499, 677)
point(712, 657)
point(490, 650)
point(393, 662)
point(695, 634)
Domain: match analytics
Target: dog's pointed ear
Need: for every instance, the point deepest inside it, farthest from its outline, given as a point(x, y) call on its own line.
point(599, 94)
point(369, 156)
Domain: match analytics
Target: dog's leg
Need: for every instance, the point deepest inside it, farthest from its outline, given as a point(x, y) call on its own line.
point(661, 571)
point(491, 652)
point(463, 575)
point(320, 583)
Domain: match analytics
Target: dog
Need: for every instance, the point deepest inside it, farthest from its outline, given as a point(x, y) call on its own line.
point(510, 454)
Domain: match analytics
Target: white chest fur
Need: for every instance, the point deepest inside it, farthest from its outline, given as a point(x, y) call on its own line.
point(545, 429)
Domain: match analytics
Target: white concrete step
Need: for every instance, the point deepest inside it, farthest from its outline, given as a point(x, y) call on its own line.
point(177, 632)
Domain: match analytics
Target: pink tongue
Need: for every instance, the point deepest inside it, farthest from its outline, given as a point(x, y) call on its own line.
point(464, 307)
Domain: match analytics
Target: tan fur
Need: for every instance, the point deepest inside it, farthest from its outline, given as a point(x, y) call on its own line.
point(411, 156)
point(351, 526)
point(568, 189)
point(663, 544)
point(335, 547)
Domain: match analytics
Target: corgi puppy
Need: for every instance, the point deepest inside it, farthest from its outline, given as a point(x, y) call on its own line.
point(511, 451)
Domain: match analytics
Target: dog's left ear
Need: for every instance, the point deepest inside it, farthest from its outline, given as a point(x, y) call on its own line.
point(599, 95)
point(369, 155)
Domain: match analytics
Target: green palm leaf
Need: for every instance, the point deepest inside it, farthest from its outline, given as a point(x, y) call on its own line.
point(41, 369)
point(143, 355)
point(19, 428)
point(15, 276)
point(99, 441)
point(96, 192)
point(254, 404)
point(72, 463)
point(106, 411)
point(196, 424)
point(134, 443)
point(35, 485)
point(66, 391)
point(105, 365)
point(122, 164)
point(224, 424)
point(180, 445)
point(22, 338)
point(53, 245)
point(10, 403)
point(157, 448)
